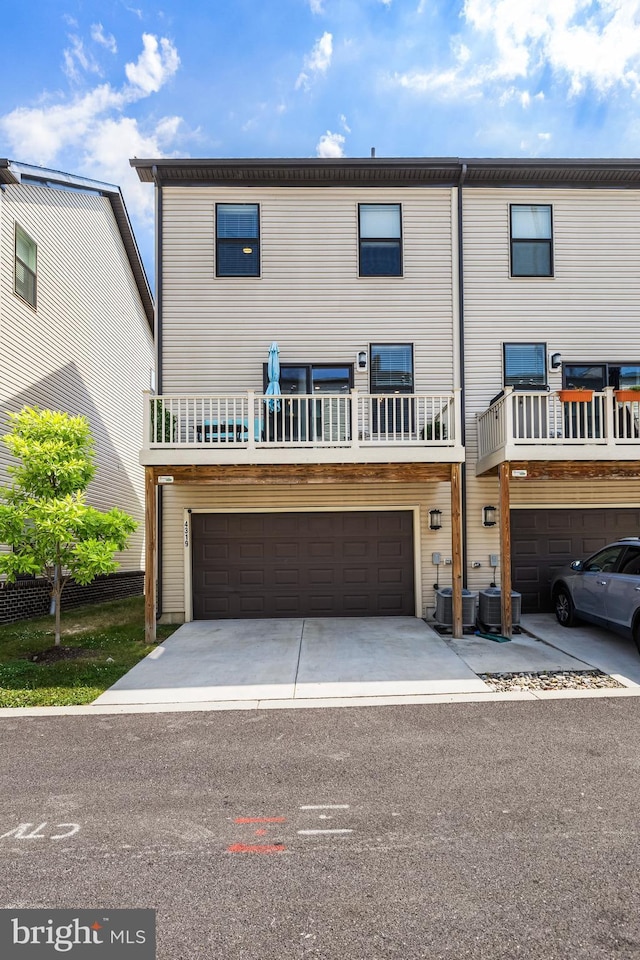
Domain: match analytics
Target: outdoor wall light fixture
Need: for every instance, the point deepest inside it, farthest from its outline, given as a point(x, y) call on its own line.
point(435, 519)
point(362, 360)
point(488, 516)
point(555, 361)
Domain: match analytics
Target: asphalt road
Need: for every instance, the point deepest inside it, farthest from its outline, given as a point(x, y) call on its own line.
point(479, 830)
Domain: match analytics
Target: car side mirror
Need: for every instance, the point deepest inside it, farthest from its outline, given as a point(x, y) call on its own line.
point(576, 565)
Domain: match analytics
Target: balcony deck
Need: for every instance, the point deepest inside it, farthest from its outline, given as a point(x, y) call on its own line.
point(537, 425)
point(253, 428)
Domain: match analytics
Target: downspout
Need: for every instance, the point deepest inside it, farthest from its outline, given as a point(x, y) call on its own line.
point(463, 478)
point(158, 351)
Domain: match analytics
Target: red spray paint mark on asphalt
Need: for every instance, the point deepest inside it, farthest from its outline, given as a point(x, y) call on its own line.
point(256, 848)
point(260, 820)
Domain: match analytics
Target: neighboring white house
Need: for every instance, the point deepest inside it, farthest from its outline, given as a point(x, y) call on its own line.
point(404, 295)
point(551, 301)
point(76, 328)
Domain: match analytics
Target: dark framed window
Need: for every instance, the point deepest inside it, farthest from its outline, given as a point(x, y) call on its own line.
point(391, 372)
point(308, 378)
point(380, 239)
point(25, 266)
point(391, 368)
point(597, 376)
point(525, 365)
point(237, 240)
point(531, 240)
point(319, 413)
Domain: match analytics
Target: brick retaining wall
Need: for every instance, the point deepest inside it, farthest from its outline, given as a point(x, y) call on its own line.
point(30, 598)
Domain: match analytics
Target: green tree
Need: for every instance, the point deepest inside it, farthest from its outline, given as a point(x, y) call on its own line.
point(44, 516)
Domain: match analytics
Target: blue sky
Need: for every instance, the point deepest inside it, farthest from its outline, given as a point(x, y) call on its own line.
point(88, 84)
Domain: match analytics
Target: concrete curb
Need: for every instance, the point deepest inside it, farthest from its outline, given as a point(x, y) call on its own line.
point(214, 705)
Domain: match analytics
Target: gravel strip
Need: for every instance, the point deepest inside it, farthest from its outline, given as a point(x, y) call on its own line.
point(550, 680)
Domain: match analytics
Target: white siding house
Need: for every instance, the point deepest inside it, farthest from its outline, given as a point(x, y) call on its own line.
point(320, 502)
point(76, 326)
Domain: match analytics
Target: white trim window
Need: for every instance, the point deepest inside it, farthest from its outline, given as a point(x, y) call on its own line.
point(25, 266)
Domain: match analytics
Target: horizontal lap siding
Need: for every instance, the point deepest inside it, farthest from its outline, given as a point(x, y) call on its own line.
point(87, 349)
point(589, 311)
point(309, 298)
point(333, 496)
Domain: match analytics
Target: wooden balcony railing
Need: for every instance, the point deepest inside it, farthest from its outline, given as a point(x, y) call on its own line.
point(253, 421)
point(542, 419)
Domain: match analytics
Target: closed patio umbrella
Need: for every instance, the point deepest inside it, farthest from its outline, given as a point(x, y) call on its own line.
point(273, 372)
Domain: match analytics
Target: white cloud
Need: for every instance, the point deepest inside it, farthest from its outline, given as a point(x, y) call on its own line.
point(447, 84)
point(317, 62)
point(76, 56)
point(316, 6)
point(584, 41)
point(503, 47)
point(330, 145)
point(107, 153)
point(345, 125)
point(39, 134)
point(93, 129)
point(106, 40)
point(155, 65)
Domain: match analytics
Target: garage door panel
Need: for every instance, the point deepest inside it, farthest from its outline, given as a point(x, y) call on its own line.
point(321, 550)
point(355, 549)
point(270, 565)
point(560, 548)
point(355, 575)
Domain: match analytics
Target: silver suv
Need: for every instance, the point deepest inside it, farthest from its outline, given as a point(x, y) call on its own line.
point(605, 589)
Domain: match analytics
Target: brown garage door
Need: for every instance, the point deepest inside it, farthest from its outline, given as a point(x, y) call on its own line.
point(545, 540)
point(302, 564)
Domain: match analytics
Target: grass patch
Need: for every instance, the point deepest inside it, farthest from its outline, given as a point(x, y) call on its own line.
point(110, 635)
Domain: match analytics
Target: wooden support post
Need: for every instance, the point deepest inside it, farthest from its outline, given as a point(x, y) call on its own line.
point(505, 551)
point(456, 548)
point(150, 522)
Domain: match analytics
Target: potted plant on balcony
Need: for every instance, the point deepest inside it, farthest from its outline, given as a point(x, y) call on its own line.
point(627, 394)
point(573, 394)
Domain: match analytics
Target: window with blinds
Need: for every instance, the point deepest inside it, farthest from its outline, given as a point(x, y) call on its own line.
point(531, 240)
point(380, 236)
point(25, 266)
point(391, 368)
point(525, 364)
point(237, 240)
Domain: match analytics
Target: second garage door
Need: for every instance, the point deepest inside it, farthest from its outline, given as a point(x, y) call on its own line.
point(545, 540)
point(342, 564)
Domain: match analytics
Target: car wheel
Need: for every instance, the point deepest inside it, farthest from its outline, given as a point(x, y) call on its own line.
point(564, 608)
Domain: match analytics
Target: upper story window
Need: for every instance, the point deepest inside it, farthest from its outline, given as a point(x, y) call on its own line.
point(391, 368)
point(525, 365)
point(380, 236)
point(531, 240)
point(237, 240)
point(26, 262)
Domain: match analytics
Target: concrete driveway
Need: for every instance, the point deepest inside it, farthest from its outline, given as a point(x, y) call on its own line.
point(237, 661)
point(295, 659)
